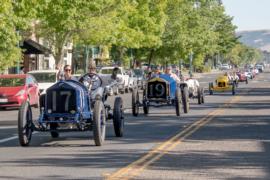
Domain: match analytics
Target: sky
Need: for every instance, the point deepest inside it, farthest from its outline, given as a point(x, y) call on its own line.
point(249, 14)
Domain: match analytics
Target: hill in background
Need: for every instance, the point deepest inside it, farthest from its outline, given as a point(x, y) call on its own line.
point(258, 39)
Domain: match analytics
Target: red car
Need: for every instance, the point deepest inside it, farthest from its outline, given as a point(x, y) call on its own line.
point(17, 88)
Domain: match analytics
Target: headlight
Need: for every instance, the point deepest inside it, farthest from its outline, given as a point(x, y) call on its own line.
point(21, 92)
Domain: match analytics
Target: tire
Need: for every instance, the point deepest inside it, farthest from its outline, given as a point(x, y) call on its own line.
point(247, 81)
point(233, 89)
point(199, 94)
point(53, 130)
point(118, 119)
point(135, 99)
point(99, 123)
point(145, 106)
point(202, 93)
point(25, 125)
point(127, 90)
point(185, 99)
point(210, 88)
point(178, 102)
point(116, 91)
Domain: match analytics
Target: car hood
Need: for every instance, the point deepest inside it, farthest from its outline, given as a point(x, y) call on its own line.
point(9, 91)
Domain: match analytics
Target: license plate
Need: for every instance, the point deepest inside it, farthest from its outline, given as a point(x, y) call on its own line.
point(3, 100)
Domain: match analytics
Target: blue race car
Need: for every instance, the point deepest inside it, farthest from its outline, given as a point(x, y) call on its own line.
point(71, 106)
point(161, 91)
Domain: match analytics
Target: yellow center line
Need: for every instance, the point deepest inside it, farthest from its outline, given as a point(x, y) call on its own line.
point(156, 153)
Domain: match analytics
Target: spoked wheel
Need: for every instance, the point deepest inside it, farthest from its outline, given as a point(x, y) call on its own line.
point(178, 101)
point(199, 94)
point(118, 117)
point(53, 129)
point(233, 89)
point(211, 88)
point(99, 123)
point(185, 100)
point(202, 93)
point(135, 100)
point(25, 125)
point(145, 105)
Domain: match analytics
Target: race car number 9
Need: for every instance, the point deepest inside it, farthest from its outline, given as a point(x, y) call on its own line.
point(157, 90)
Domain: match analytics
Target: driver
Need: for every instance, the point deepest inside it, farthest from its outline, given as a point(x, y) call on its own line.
point(169, 72)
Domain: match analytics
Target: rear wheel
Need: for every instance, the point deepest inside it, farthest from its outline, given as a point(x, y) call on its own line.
point(202, 93)
point(25, 125)
point(199, 94)
point(185, 99)
point(145, 105)
point(99, 123)
point(118, 118)
point(178, 101)
point(135, 100)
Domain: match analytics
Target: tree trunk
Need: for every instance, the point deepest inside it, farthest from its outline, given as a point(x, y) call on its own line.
point(150, 57)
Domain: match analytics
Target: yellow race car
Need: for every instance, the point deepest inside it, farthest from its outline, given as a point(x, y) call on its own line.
point(222, 84)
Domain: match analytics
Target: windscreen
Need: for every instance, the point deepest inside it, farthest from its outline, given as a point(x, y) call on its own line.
point(45, 77)
point(11, 82)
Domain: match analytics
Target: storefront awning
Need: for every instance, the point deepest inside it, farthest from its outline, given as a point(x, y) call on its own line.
point(31, 47)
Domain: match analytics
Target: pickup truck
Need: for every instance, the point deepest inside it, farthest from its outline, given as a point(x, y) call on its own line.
point(123, 85)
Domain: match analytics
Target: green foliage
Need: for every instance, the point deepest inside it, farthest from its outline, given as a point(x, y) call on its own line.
point(9, 52)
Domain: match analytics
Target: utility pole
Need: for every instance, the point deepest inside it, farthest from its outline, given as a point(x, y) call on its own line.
point(190, 63)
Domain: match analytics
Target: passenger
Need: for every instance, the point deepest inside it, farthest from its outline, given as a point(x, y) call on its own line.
point(67, 74)
point(156, 73)
point(172, 75)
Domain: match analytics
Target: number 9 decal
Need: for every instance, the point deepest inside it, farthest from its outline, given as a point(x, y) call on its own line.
point(160, 90)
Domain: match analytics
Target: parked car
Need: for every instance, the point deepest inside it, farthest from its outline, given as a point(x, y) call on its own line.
point(45, 78)
point(16, 89)
point(225, 67)
point(260, 68)
point(123, 85)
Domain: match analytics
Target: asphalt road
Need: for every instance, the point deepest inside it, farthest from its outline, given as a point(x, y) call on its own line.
point(226, 138)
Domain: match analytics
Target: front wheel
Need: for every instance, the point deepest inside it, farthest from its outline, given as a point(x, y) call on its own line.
point(233, 89)
point(135, 100)
point(25, 125)
point(99, 123)
point(185, 100)
point(178, 101)
point(118, 118)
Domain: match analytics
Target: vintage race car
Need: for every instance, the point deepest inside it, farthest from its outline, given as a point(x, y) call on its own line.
point(72, 106)
point(222, 84)
point(195, 90)
point(242, 77)
point(161, 91)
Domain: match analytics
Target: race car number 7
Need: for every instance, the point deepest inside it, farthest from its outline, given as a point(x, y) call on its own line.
point(67, 94)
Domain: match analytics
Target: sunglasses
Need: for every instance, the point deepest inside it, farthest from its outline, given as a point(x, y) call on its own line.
point(67, 70)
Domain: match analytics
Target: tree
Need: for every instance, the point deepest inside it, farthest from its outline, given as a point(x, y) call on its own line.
point(9, 39)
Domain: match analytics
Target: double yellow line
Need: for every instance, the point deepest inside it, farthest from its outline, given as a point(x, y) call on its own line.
point(155, 154)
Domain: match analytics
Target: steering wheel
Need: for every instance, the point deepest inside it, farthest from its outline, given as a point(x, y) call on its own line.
point(91, 80)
